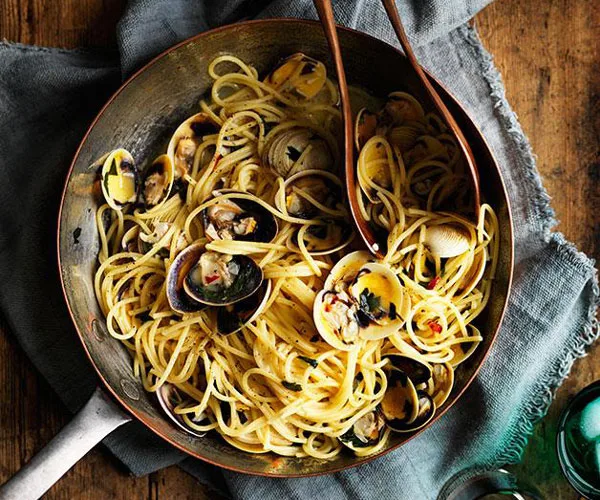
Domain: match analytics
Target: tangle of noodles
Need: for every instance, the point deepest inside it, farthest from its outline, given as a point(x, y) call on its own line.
point(276, 385)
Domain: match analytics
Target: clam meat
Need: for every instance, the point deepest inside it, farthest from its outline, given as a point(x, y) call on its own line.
point(360, 300)
point(366, 431)
point(186, 139)
point(158, 181)
point(238, 219)
point(218, 279)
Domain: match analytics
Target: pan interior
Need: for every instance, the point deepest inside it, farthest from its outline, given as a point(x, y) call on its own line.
point(141, 117)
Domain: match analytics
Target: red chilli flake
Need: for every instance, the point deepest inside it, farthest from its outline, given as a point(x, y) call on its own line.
point(434, 326)
point(210, 279)
point(433, 283)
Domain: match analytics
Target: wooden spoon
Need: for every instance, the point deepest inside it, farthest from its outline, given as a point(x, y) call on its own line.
point(325, 12)
point(326, 16)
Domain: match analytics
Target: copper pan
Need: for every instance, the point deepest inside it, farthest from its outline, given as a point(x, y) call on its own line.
point(140, 116)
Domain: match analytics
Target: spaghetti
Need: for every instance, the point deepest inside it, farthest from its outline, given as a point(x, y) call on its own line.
point(211, 259)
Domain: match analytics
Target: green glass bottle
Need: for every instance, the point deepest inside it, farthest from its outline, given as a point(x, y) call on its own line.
point(578, 442)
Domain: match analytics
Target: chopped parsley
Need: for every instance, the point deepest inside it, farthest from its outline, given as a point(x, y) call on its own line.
point(293, 153)
point(312, 362)
point(292, 386)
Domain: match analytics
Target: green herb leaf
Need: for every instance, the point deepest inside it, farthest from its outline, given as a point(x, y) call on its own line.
point(293, 153)
point(292, 386)
point(312, 362)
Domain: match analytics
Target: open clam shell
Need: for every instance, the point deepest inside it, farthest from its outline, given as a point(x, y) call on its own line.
point(298, 76)
point(426, 411)
point(365, 127)
point(313, 193)
point(368, 430)
point(238, 219)
point(400, 404)
point(184, 142)
point(232, 318)
point(443, 381)
point(418, 371)
point(217, 279)
point(169, 398)
point(158, 181)
point(178, 299)
point(120, 179)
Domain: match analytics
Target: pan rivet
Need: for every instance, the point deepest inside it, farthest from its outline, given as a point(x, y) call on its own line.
point(130, 389)
point(98, 330)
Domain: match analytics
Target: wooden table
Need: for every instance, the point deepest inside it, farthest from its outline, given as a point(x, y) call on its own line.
point(548, 52)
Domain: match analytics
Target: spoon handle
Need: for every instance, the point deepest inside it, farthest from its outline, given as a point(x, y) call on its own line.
point(325, 12)
point(394, 17)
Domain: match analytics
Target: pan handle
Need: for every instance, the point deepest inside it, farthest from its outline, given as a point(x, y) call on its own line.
point(96, 420)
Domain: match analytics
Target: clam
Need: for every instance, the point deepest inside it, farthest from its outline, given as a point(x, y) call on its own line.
point(376, 168)
point(464, 350)
point(360, 300)
point(158, 181)
point(233, 317)
point(446, 241)
point(443, 381)
point(292, 150)
point(400, 108)
point(426, 148)
point(366, 431)
point(119, 179)
point(329, 237)
point(298, 76)
point(238, 219)
point(418, 371)
point(218, 279)
point(186, 139)
point(169, 398)
point(178, 299)
point(425, 412)
point(365, 127)
point(347, 268)
point(382, 302)
point(400, 403)
point(305, 191)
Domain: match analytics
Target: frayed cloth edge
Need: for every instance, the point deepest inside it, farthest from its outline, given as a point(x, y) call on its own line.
point(589, 332)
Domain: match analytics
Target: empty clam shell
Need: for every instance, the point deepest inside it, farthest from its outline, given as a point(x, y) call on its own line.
point(400, 404)
point(169, 398)
point(446, 241)
point(119, 179)
point(365, 127)
point(418, 371)
point(443, 381)
point(426, 411)
point(299, 76)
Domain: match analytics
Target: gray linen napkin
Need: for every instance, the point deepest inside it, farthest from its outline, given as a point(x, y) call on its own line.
point(47, 99)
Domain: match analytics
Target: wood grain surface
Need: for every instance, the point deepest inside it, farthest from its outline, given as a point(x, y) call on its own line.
point(548, 54)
